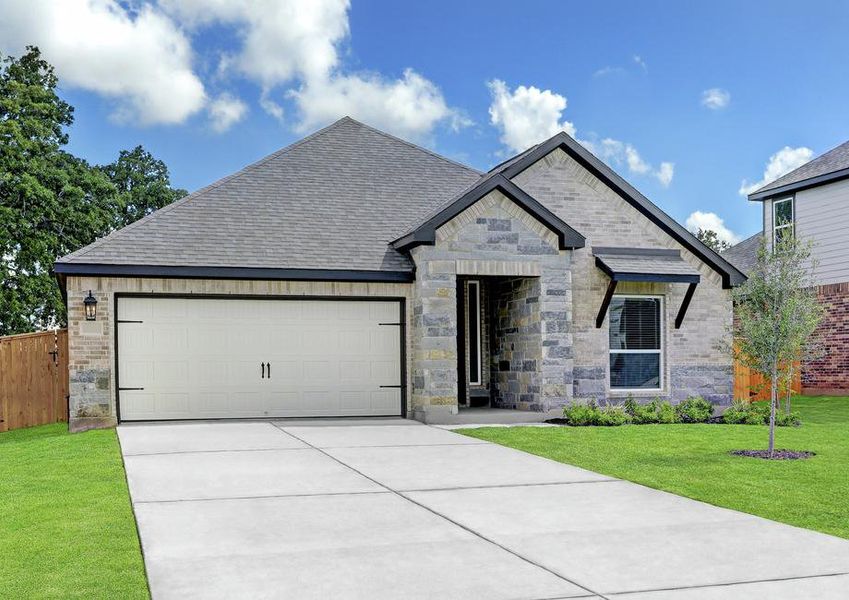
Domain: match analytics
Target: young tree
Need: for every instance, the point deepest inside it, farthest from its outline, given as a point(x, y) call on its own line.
point(777, 313)
point(711, 239)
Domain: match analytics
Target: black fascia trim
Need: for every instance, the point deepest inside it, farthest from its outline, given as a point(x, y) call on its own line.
point(800, 185)
point(731, 276)
point(657, 252)
point(650, 277)
point(568, 238)
point(187, 272)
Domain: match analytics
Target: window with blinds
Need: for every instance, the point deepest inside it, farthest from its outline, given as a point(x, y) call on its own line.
point(635, 343)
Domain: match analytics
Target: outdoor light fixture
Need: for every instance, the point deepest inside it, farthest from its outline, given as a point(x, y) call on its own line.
point(90, 307)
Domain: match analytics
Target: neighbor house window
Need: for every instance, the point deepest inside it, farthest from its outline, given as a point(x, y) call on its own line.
point(782, 219)
point(474, 320)
point(636, 361)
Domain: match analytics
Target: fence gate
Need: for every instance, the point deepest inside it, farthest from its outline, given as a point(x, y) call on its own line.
point(33, 379)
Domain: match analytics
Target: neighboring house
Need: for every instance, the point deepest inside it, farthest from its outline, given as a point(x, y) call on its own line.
point(812, 202)
point(355, 274)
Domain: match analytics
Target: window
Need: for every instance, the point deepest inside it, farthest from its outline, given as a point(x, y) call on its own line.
point(474, 320)
point(782, 219)
point(636, 361)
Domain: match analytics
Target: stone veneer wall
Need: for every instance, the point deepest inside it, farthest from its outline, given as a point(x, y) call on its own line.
point(91, 347)
point(830, 374)
point(693, 365)
point(517, 344)
point(494, 237)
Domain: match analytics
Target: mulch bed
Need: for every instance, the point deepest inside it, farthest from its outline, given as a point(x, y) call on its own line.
point(778, 454)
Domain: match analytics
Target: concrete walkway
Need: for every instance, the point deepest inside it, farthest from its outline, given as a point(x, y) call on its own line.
point(396, 509)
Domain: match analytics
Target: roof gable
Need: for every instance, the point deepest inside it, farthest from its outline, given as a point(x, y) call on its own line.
point(425, 233)
point(730, 274)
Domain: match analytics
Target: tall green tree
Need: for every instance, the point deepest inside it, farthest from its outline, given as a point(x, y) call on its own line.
point(143, 184)
point(776, 315)
point(51, 202)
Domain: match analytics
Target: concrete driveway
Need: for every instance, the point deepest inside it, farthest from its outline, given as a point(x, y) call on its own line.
point(396, 509)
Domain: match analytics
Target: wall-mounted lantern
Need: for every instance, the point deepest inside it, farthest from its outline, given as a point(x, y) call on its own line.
point(90, 307)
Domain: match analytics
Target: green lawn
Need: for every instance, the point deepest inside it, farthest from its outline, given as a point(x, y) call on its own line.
point(693, 461)
point(66, 525)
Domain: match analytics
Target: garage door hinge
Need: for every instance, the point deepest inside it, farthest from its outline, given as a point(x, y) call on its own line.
point(391, 386)
point(126, 321)
point(396, 324)
point(120, 389)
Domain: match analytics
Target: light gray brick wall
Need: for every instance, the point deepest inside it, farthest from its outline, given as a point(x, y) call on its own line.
point(693, 365)
point(495, 238)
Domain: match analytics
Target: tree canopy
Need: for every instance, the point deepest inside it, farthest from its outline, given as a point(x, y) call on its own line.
point(711, 239)
point(51, 202)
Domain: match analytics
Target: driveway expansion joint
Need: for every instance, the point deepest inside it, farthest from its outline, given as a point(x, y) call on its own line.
point(317, 494)
point(213, 451)
point(510, 485)
point(728, 584)
point(590, 592)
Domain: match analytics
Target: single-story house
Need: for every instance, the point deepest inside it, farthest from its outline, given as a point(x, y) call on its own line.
point(354, 274)
point(811, 203)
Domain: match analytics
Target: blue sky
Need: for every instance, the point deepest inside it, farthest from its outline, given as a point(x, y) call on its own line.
point(210, 87)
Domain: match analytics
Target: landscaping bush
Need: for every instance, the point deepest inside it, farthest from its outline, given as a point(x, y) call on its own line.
point(656, 411)
point(757, 413)
point(694, 410)
point(580, 415)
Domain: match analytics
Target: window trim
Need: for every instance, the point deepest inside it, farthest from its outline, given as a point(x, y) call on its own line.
point(661, 380)
point(475, 370)
point(791, 225)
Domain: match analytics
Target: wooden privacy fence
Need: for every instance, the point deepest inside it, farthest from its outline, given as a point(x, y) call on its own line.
point(33, 379)
point(751, 385)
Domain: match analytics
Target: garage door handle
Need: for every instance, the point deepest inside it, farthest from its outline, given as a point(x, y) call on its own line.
point(269, 370)
point(262, 366)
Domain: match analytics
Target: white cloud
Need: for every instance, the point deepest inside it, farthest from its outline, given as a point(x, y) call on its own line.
point(225, 111)
point(617, 153)
point(780, 163)
point(141, 59)
point(607, 70)
point(715, 98)
point(665, 173)
point(296, 43)
point(708, 220)
point(640, 62)
point(527, 115)
point(409, 106)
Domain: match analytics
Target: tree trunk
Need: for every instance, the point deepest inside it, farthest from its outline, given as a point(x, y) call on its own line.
point(772, 404)
point(789, 392)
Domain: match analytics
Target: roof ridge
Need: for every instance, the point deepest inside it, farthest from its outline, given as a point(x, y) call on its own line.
point(410, 144)
point(185, 199)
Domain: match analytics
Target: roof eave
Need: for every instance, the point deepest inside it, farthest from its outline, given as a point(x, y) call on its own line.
point(762, 195)
point(65, 269)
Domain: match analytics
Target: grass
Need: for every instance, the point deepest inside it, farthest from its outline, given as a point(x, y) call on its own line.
point(693, 461)
point(66, 524)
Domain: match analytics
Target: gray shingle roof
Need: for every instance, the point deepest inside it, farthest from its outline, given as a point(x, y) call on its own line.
point(835, 159)
point(333, 200)
point(628, 262)
point(744, 255)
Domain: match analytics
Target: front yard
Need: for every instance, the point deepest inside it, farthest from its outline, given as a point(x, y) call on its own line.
point(66, 525)
point(693, 461)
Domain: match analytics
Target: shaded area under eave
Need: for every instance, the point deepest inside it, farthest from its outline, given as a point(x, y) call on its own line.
point(656, 265)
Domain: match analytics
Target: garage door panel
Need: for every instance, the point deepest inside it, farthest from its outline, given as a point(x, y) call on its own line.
point(201, 358)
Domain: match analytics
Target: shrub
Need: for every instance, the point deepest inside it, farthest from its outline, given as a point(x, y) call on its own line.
point(694, 410)
point(580, 415)
point(656, 411)
point(757, 413)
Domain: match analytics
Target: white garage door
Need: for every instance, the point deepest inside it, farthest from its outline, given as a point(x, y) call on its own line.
point(193, 358)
